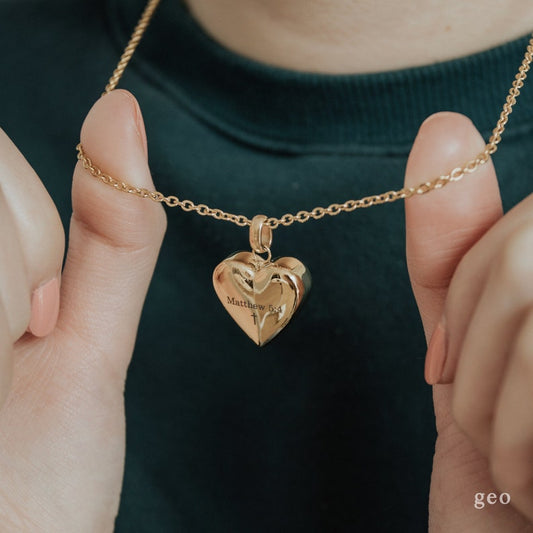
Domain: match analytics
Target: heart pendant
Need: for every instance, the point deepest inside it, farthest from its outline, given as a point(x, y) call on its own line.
point(261, 295)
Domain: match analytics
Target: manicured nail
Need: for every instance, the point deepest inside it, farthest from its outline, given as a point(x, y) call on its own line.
point(436, 354)
point(44, 308)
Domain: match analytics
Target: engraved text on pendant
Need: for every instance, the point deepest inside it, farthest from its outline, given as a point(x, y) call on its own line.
point(261, 296)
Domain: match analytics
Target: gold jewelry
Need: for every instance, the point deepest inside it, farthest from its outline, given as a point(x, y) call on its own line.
point(273, 290)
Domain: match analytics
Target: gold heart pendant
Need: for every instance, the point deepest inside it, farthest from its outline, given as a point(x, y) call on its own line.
point(259, 294)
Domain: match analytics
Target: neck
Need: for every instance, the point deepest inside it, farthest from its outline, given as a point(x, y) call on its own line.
point(355, 36)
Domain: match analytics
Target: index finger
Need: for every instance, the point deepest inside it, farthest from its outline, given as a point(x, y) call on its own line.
point(470, 278)
point(37, 223)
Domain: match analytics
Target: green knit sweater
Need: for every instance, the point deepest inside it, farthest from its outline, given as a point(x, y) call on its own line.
point(330, 427)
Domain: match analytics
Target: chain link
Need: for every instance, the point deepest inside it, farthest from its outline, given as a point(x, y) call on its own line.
point(135, 39)
point(317, 213)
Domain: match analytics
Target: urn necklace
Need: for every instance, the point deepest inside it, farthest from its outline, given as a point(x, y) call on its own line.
point(262, 294)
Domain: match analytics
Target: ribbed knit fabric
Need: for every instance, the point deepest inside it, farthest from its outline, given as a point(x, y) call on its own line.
point(330, 427)
point(299, 112)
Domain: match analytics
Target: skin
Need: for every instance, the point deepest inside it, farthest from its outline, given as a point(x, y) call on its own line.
point(62, 421)
point(350, 36)
point(62, 413)
point(468, 265)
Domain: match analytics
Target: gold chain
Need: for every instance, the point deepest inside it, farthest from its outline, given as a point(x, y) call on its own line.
point(456, 174)
point(135, 39)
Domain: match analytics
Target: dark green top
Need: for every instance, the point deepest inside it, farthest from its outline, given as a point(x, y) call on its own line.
point(330, 427)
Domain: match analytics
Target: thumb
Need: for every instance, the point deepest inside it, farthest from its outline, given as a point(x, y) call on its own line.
point(114, 238)
point(443, 225)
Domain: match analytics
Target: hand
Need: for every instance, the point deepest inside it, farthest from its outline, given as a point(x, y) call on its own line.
point(62, 418)
point(471, 270)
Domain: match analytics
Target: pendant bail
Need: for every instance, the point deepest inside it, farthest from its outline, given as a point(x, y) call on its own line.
point(260, 235)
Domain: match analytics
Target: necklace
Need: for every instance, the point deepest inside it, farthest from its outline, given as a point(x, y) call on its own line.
point(259, 293)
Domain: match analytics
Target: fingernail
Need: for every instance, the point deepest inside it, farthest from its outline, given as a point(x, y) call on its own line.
point(44, 308)
point(436, 354)
point(140, 126)
point(139, 122)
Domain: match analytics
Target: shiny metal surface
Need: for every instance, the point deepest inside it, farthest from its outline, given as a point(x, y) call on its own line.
point(261, 296)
